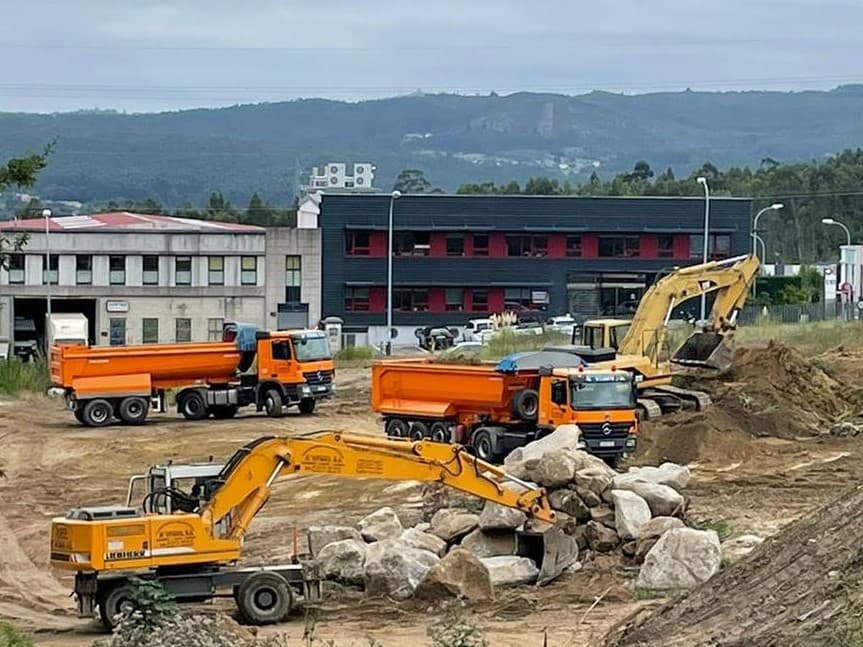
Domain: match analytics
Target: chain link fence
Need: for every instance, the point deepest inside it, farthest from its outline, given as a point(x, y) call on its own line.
point(802, 313)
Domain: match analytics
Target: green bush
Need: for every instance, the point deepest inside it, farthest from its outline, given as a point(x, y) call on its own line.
point(506, 342)
point(356, 354)
point(18, 377)
point(11, 636)
point(452, 628)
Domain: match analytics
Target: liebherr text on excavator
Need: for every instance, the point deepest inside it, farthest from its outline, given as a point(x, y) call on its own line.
point(190, 541)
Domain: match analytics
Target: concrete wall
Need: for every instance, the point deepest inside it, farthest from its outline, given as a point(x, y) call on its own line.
point(306, 243)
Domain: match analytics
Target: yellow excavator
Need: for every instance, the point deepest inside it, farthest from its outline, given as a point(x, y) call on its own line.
point(640, 345)
point(190, 539)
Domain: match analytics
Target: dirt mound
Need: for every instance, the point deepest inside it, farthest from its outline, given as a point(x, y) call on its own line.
point(704, 437)
point(804, 586)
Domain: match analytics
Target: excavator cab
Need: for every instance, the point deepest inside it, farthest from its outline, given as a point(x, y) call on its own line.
point(706, 349)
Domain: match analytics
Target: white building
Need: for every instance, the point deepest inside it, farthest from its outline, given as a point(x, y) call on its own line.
point(338, 175)
point(158, 279)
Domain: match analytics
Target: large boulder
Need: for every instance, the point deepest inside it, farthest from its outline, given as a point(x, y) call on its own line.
point(600, 538)
point(670, 474)
point(492, 543)
point(595, 477)
point(630, 513)
point(591, 499)
point(523, 461)
point(569, 502)
point(416, 538)
point(394, 569)
point(500, 517)
point(452, 523)
point(458, 575)
point(664, 501)
point(320, 536)
point(682, 559)
point(510, 570)
point(603, 515)
point(650, 533)
point(344, 560)
point(381, 524)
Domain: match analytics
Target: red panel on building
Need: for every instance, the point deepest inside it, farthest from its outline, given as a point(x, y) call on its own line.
point(437, 299)
point(468, 300)
point(589, 246)
point(378, 244)
point(377, 299)
point(556, 246)
point(681, 246)
point(497, 244)
point(437, 243)
point(648, 246)
point(495, 299)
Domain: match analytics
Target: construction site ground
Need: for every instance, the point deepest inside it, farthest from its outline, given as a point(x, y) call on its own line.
point(752, 474)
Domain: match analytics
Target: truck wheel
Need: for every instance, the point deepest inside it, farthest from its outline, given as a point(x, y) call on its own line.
point(397, 428)
point(525, 405)
point(264, 598)
point(97, 413)
point(79, 415)
point(419, 430)
point(193, 406)
point(439, 432)
point(307, 405)
point(273, 404)
point(133, 411)
point(224, 411)
point(483, 445)
point(118, 601)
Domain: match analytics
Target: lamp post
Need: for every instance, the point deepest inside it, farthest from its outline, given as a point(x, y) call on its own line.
point(46, 214)
point(395, 195)
point(703, 182)
point(833, 221)
point(773, 207)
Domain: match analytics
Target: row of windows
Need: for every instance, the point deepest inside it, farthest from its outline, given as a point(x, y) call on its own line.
point(364, 299)
point(406, 243)
point(150, 330)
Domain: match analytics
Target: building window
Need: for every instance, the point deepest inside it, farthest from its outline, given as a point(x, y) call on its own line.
point(358, 243)
point(618, 246)
point(117, 270)
point(411, 299)
point(293, 278)
point(183, 270)
point(83, 269)
point(357, 299)
point(528, 246)
point(16, 269)
point(411, 243)
point(480, 301)
point(117, 328)
point(454, 299)
point(480, 244)
point(573, 246)
point(718, 246)
point(53, 266)
point(215, 326)
point(455, 245)
point(151, 270)
point(517, 299)
point(666, 246)
point(248, 270)
point(183, 329)
point(215, 270)
point(150, 331)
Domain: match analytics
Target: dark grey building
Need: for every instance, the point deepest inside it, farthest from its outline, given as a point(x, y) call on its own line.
point(462, 257)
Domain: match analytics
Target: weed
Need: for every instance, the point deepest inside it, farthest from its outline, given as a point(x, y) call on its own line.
point(11, 636)
point(452, 628)
point(19, 377)
point(648, 594)
point(356, 356)
point(810, 338)
point(719, 526)
point(507, 342)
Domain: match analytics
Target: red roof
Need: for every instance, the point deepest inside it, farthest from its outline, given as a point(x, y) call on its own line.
point(125, 221)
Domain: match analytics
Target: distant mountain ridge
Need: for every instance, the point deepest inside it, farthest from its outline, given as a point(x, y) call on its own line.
point(176, 157)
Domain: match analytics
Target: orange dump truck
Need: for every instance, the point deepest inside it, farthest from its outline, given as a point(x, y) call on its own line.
point(291, 368)
point(495, 408)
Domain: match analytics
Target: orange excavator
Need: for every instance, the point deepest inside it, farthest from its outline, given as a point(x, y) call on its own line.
point(190, 541)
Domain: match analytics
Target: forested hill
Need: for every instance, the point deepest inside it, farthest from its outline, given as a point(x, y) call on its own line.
point(181, 156)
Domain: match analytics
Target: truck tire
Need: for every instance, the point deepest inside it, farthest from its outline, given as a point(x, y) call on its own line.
point(483, 445)
point(419, 430)
point(273, 404)
point(439, 432)
point(264, 598)
point(224, 411)
point(117, 600)
point(193, 406)
point(397, 428)
point(306, 406)
point(133, 410)
point(525, 405)
point(97, 413)
point(79, 415)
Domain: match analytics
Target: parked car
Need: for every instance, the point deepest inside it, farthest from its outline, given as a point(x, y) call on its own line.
point(474, 329)
point(563, 324)
point(466, 347)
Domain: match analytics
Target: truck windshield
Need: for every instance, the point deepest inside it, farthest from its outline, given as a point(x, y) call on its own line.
point(602, 394)
point(311, 348)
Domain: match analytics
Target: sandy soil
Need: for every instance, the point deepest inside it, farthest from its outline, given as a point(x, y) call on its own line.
point(755, 484)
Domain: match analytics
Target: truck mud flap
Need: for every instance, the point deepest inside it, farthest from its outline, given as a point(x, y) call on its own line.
point(706, 350)
point(550, 548)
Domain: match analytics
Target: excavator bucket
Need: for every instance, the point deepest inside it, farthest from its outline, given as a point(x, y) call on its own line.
point(706, 350)
point(550, 548)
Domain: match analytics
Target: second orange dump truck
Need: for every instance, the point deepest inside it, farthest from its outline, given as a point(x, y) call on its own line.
point(270, 370)
point(495, 408)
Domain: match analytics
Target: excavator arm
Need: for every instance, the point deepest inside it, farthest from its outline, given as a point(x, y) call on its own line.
point(246, 481)
point(730, 279)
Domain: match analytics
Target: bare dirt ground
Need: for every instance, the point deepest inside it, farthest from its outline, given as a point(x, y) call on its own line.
point(753, 483)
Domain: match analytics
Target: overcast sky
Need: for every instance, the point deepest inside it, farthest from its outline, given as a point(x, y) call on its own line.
point(148, 55)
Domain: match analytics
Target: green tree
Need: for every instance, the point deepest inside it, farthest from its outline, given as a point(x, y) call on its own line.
point(19, 172)
point(412, 180)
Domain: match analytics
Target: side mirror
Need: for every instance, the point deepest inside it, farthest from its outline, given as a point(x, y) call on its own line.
point(558, 393)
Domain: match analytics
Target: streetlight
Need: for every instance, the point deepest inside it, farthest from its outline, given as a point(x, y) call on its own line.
point(46, 214)
point(389, 347)
point(831, 221)
point(773, 207)
point(703, 182)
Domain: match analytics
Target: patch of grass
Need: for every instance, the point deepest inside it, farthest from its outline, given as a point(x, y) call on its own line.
point(11, 636)
point(355, 356)
point(810, 338)
point(648, 594)
point(507, 342)
point(19, 377)
point(720, 526)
